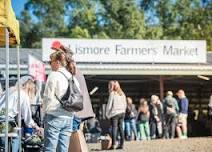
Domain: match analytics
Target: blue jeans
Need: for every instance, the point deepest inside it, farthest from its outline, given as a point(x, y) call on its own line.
point(57, 132)
point(76, 123)
point(130, 126)
point(14, 143)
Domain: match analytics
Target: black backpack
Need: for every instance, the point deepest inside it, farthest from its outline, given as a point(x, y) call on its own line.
point(72, 100)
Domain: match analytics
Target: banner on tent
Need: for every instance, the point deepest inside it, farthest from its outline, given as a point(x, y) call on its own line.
point(37, 68)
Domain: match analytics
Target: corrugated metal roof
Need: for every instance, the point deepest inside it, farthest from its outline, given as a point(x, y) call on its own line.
point(146, 69)
point(24, 52)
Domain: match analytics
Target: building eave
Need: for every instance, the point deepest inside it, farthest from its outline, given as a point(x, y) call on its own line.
point(130, 69)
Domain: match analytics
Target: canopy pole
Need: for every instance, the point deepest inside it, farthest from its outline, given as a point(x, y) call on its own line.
point(7, 87)
point(19, 97)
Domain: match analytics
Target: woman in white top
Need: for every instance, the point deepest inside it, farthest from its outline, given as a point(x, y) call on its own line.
point(87, 111)
point(57, 121)
point(115, 111)
point(26, 83)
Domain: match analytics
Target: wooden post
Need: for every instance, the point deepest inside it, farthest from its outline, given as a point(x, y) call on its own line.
point(161, 87)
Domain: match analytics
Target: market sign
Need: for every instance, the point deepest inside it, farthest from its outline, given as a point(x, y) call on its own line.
point(131, 51)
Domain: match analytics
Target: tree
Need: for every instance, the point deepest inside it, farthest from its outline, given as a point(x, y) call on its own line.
point(116, 19)
point(123, 19)
point(180, 19)
point(48, 21)
point(83, 20)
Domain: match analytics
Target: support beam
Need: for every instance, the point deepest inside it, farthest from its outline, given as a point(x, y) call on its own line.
point(7, 87)
point(161, 87)
point(19, 96)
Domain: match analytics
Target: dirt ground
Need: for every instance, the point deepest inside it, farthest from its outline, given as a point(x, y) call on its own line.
point(203, 144)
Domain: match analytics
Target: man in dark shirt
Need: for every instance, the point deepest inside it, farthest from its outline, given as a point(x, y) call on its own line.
point(183, 114)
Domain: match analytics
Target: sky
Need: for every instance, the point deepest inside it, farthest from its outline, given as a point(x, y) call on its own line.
point(18, 6)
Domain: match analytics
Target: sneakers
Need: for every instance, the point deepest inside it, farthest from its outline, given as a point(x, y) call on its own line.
point(183, 137)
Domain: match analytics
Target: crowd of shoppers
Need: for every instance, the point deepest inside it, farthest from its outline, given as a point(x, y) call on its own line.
point(150, 119)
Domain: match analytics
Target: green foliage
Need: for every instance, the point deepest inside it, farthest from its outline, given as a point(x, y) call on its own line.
point(181, 19)
point(123, 19)
point(83, 22)
point(78, 32)
point(117, 19)
point(47, 21)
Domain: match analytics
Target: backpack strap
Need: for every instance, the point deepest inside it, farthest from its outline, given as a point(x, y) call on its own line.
point(72, 78)
point(69, 88)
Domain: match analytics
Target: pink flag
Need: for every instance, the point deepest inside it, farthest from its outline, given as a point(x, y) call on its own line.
point(37, 69)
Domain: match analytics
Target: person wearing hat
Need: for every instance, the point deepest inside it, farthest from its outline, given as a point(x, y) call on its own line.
point(170, 113)
point(87, 112)
point(26, 84)
point(58, 122)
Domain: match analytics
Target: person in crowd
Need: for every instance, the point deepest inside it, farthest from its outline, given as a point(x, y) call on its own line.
point(183, 114)
point(210, 108)
point(170, 113)
point(115, 111)
point(137, 122)
point(26, 92)
point(156, 113)
point(160, 125)
point(130, 120)
point(57, 121)
point(143, 119)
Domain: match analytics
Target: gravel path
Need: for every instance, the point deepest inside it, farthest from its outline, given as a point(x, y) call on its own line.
point(161, 145)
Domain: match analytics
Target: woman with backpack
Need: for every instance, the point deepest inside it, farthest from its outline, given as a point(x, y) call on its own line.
point(87, 111)
point(57, 121)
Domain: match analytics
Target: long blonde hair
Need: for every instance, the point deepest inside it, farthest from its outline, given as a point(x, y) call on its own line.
point(68, 53)
point(30, 88)
point(59, 56)
point(117, 88)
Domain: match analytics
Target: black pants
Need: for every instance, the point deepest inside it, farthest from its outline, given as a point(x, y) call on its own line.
point(117, 122)
point(153, 129)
